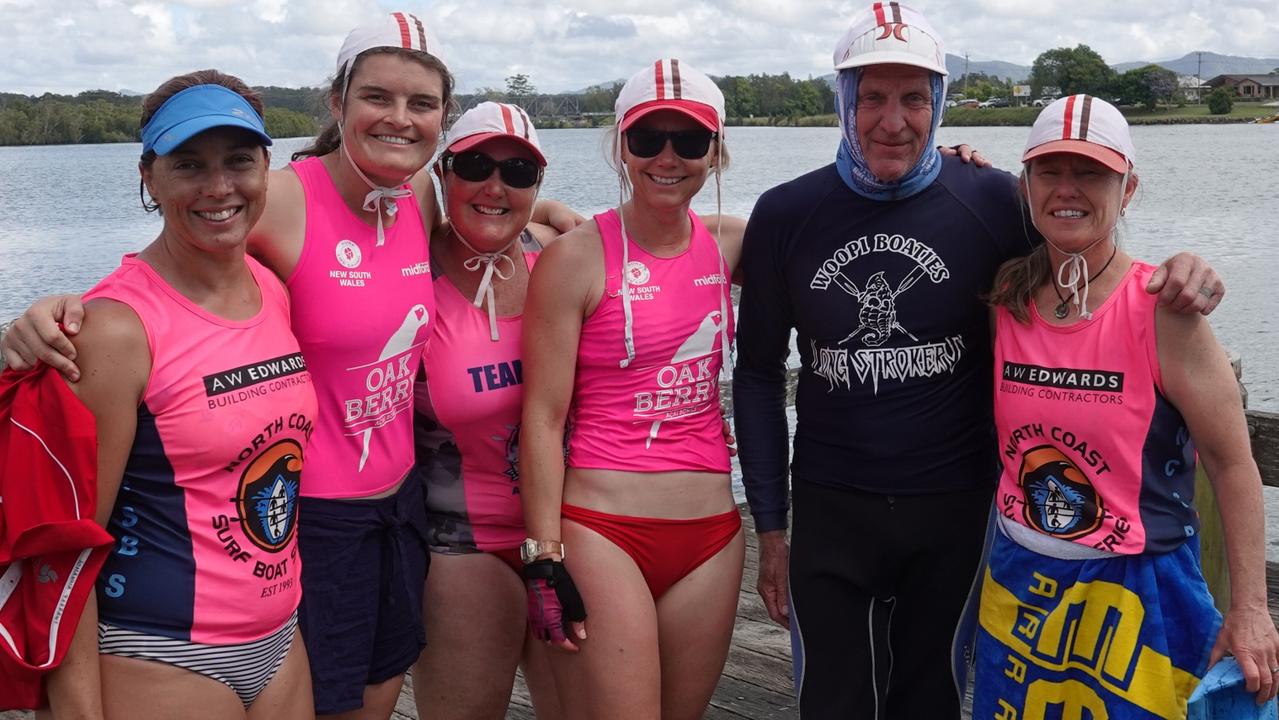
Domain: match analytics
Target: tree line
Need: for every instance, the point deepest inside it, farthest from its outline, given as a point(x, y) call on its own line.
point(745, 96)
point(1070, 71)
point(101, 116)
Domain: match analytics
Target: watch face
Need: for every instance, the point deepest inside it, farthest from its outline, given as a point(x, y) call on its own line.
point(528, 550)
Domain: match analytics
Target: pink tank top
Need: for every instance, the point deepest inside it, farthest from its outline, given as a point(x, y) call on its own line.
point(361, 314)
point(1092, 451)
point(205, 521)
point(475, 393)
point(661, 412)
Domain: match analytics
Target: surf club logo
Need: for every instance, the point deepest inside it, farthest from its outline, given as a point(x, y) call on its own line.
point(268, 496)
point(1059, 499)
point(877, 320)
point(388, 382)
point(636, 273)
point(348, 254)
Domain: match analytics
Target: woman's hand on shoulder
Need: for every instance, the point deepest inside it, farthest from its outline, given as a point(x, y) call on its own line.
point(43, 334)
point(557, 215)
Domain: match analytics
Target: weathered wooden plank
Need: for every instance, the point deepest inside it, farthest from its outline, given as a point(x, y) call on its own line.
point(750, 701)
point(766, 670)
point(1263, 429)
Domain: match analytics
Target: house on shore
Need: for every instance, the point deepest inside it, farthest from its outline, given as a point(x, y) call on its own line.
point(1249, 87)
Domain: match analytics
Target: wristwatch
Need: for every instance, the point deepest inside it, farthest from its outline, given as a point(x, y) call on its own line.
point(530, 549)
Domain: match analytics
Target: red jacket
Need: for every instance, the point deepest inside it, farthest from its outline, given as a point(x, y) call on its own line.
point(50, 546)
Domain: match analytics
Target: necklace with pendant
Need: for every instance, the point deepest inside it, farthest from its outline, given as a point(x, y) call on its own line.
point(1063, 308)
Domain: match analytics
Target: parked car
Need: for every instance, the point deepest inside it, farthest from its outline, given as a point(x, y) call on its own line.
point(1041, 102)
point(995, 102)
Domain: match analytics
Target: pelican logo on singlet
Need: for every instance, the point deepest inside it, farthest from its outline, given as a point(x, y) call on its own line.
point(686, 385)
point(348, 254)
point(388, 382)
point(1059, 499)
point(268, 495)
point(877, 320)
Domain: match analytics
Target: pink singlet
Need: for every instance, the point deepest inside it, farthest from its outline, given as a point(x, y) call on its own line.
point(204, 522)
point(474, 396)
point(1093, 452)
point(662, 411)
point(362, 315)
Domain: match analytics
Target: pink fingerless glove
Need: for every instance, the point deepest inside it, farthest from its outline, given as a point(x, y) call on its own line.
point(553, 600)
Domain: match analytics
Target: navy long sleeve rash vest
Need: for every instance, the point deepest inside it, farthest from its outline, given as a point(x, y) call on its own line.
point(894, 392)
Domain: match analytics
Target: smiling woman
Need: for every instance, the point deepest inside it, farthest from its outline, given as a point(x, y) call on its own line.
point(628, 325)
point(175, 608)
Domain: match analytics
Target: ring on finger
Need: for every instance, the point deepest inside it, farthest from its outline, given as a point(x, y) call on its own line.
point(1207, 291)
point(1274, 670)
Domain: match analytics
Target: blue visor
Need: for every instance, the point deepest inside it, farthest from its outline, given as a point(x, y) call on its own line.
point(195, 110)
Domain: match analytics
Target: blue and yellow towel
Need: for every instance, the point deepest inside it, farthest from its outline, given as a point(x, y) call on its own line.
point(1110, 638)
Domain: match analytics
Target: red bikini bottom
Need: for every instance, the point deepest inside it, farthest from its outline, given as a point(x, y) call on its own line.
point(665, 550)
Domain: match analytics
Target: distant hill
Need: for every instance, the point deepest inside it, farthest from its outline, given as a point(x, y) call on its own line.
point(1213, 65)
point(994, 68)
point(597, 87)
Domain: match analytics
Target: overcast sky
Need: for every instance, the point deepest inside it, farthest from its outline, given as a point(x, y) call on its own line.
point(75, 45)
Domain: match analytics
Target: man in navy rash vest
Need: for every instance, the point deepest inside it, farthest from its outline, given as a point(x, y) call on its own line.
point(879, 262)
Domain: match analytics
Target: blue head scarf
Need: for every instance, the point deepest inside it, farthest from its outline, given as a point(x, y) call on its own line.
point(849, 160)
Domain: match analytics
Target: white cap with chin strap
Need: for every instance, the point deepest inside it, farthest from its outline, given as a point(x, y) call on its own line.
point(397, 30)
point(484, 122)
point(1091, 127)
point(669, 85)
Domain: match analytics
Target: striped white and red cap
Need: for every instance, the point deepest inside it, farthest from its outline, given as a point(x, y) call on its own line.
point(397, 30)
point(890, 33)
point(669, 84)
point(489, 120)
point(1083, 125)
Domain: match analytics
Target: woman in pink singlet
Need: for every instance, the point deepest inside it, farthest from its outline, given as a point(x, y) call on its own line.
point(346, 227)
point(627, 326)
point(1093, 597)
point(205, 410)
point(468, 423)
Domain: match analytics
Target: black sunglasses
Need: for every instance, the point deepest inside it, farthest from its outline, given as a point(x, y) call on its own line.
point(688, 144)
point(475, 166)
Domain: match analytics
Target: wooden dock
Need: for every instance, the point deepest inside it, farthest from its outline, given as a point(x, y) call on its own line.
point(756, 683)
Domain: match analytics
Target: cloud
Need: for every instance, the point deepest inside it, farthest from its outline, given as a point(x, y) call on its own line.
point(562, 45)
point(582, 25)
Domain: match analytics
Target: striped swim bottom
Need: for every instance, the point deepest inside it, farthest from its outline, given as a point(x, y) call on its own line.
point(246, 668)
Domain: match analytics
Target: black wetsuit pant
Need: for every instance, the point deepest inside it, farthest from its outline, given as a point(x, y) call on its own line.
point(877, 585)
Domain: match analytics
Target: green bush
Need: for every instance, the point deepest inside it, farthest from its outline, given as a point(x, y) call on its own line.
point(1220, 102)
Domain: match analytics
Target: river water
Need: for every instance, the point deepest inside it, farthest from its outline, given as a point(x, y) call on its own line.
point(67, 213)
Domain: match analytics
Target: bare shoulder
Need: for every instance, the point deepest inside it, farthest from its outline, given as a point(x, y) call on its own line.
point(113, 352)
point(572, 266)
point(276, 240)
point(728, 231)
point(581, 246)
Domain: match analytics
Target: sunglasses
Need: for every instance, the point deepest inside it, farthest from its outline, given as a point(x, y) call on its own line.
point(688, 144)
point(475, 166)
